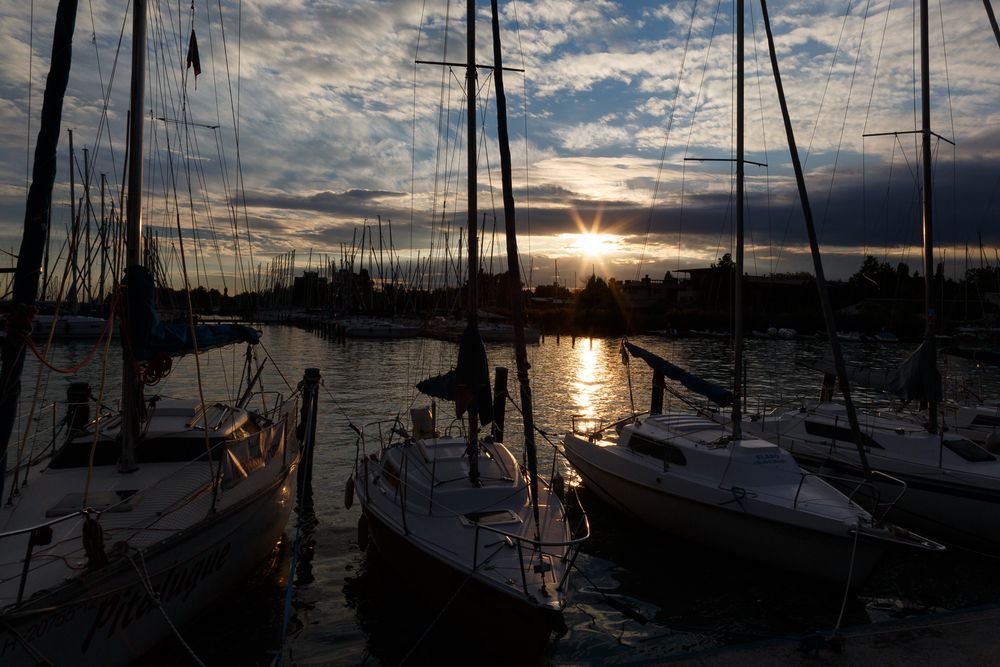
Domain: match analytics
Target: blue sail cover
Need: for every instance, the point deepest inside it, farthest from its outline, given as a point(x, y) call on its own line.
point(713, 392)
point(149, 335)
point(468, 384)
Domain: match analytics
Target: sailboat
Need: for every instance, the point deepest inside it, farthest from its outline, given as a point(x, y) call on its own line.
point(952, 484)
point(143, 517)
point(710, 482)
point(458, 517)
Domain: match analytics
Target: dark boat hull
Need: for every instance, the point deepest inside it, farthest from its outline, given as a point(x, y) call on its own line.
point(514, 627)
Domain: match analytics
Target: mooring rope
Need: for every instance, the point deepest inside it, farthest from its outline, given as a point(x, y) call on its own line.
point(143, 575)
point(850, 576)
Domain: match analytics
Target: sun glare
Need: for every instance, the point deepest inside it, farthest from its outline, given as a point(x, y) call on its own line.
point(591, 245)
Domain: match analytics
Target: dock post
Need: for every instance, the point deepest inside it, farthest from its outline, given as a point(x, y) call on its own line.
point(306, 430)
point(656, 400)
point(499, 402)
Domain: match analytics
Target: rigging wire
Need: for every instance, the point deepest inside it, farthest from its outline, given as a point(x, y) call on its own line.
point(413, 130)
point(220, 148)
point(526, 209)
point(763, 132)
point(694, 114)
point(31, 61)
point(951, 117)
point(666, 141)
point(847, 105)
point(868, 109)
point(816, 124)
point(234, 102)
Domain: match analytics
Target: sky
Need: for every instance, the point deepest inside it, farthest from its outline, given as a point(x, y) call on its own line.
point(338, 128)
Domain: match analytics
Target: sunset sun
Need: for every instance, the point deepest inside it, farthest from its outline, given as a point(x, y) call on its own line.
point(591, 245)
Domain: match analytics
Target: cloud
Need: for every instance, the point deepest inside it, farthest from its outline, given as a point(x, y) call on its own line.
point(338, 124)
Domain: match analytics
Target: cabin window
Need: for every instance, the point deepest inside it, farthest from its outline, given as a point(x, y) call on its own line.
point(657, 449)
point(969, 451)
point(839, 433)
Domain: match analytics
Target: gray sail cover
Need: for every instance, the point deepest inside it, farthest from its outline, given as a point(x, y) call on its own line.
point(917, 378)
point(469, 383)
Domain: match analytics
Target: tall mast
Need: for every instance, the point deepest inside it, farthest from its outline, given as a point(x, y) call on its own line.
point(824, 293)
point(102, 241)
point(738, 286)
point(74, 243)
point(930, 316)
point(132, 402)
point(133, 212)
point(88, 255)
point(36, 216)
point(513, 270)
point(470, 348)
point(470, 93)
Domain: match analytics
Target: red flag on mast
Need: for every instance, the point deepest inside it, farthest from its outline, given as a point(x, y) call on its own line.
point(193, 60)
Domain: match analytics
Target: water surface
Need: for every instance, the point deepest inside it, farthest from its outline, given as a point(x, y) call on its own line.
point(638, 595)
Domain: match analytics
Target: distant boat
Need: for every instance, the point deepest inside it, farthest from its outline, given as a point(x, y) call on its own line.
point(370, 327)
point(67, 327)
point(885, 336)
point(773, 332)
point(72, 326)
point(145, 516)
point(666, 333)
point(491, 332)
point(707, 333)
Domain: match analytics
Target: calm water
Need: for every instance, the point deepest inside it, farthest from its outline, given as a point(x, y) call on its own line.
point(638, 594)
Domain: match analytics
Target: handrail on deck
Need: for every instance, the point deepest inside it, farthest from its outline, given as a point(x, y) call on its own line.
point(46, 524)
point(593, 433)
point(864, 483)
point(520, 540)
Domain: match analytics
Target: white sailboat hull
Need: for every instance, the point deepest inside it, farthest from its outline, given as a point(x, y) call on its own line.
point(948, 497)
point(935, 503)
point(175, 533)
point(110, 618)
point(718, 518)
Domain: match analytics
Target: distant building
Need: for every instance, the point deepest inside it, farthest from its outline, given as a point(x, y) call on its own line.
point(648, 293)
point(310, 290)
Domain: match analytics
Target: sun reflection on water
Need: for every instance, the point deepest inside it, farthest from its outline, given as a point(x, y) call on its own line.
point(585, 383)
